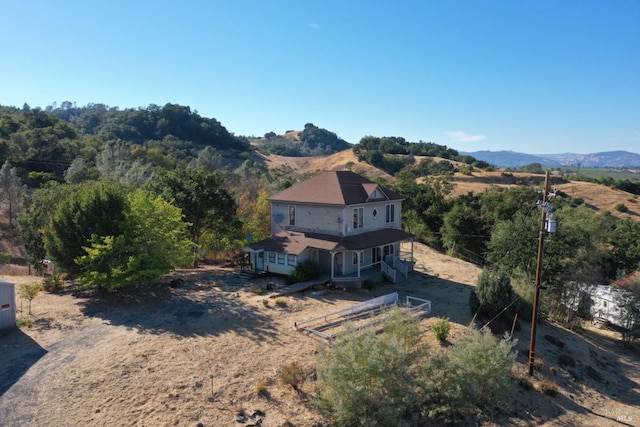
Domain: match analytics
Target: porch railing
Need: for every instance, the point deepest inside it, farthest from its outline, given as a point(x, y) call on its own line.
point(389, 271)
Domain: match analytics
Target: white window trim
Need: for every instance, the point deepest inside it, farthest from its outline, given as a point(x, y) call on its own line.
point(358, 218)
point(390, 213)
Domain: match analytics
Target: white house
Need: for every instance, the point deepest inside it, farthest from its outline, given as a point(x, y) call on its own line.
point(339, 219)
point(616, 304)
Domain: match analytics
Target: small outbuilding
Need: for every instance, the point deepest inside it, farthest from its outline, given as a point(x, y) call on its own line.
point(7, 305)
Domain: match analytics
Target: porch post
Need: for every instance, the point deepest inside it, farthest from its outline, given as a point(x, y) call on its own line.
point(333, 261)
point(412, 252)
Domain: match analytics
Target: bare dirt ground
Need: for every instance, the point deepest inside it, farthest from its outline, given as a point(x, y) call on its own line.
point(199, 352)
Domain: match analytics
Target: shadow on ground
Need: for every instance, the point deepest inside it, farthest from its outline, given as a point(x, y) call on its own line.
point(189, 309)
point(19, 352)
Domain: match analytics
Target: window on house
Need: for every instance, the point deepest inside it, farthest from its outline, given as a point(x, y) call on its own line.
point(358, 218)
point(272, 257)
point(281, 259)
point(292, 259)
point(355, 258)
point(391, 213)
point(292, 215)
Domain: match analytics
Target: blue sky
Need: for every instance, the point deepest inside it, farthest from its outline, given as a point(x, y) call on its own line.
point(530, 76)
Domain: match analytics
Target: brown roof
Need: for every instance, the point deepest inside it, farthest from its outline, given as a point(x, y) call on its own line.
point(335, 188)
point(628, 282)
point(294, 242)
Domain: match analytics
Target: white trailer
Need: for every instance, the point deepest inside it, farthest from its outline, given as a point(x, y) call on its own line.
point(7, 305)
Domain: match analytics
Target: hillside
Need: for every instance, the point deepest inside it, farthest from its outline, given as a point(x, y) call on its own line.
point(297, 166)
point(596, 196)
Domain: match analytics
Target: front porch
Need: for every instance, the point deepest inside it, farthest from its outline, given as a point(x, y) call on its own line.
point(367, 256)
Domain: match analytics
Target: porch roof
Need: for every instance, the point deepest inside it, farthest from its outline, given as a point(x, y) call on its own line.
point(295, 242)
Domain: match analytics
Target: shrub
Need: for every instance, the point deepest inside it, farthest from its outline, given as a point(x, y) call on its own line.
point(476, 374)
point(621, 207)
point(492, 293)
point(262, 387)
point(292, 374)
point(524, 382)
point(304, 271)
point(548, 388)
point(364, 380)
point(257, 289)
point(29, 291)
point(280, 302)
point(485, 365)
point(390, 378)
point(24, 323)
point(53, 283)
point(523, 289)
point(441, 329)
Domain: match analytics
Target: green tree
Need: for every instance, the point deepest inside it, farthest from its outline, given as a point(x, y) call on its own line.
point(492, 294)
point(39, 208)
point(205, 204)
point(11, 191)
point(464, 233)
point(425, 203)
point(153, 242)
point(88, 214)
point(580, 249)
point(29, 291)
point(514, 242)
point(625, 242)
point(503, 204)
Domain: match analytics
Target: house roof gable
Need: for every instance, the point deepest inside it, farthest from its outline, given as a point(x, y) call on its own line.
point(336, 188)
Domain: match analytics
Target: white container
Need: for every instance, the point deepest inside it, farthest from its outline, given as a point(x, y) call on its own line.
point(7, 305)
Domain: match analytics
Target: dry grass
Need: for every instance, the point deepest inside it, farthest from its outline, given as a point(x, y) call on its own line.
point(596, 196)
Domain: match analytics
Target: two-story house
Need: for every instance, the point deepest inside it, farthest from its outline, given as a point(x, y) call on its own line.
point(341, 220)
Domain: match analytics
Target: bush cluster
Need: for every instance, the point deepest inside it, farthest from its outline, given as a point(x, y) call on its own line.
point(392, 379)
point(304, 271)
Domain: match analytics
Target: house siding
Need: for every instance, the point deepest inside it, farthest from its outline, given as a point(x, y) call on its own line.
point(334, 220)
point(372, 222)
point(320, 219)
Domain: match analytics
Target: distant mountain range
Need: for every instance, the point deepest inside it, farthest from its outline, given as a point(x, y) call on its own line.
point(512, 159)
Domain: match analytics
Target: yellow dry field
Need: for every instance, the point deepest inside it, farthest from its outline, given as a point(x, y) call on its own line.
point(595, 196)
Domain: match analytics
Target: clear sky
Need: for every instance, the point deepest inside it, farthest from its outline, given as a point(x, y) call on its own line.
point(542, 76)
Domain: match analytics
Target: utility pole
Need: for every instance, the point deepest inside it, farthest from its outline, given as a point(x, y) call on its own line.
point(536, 297)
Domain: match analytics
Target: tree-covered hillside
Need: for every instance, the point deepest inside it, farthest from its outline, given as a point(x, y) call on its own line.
point(312, 141)
point(47, 141)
